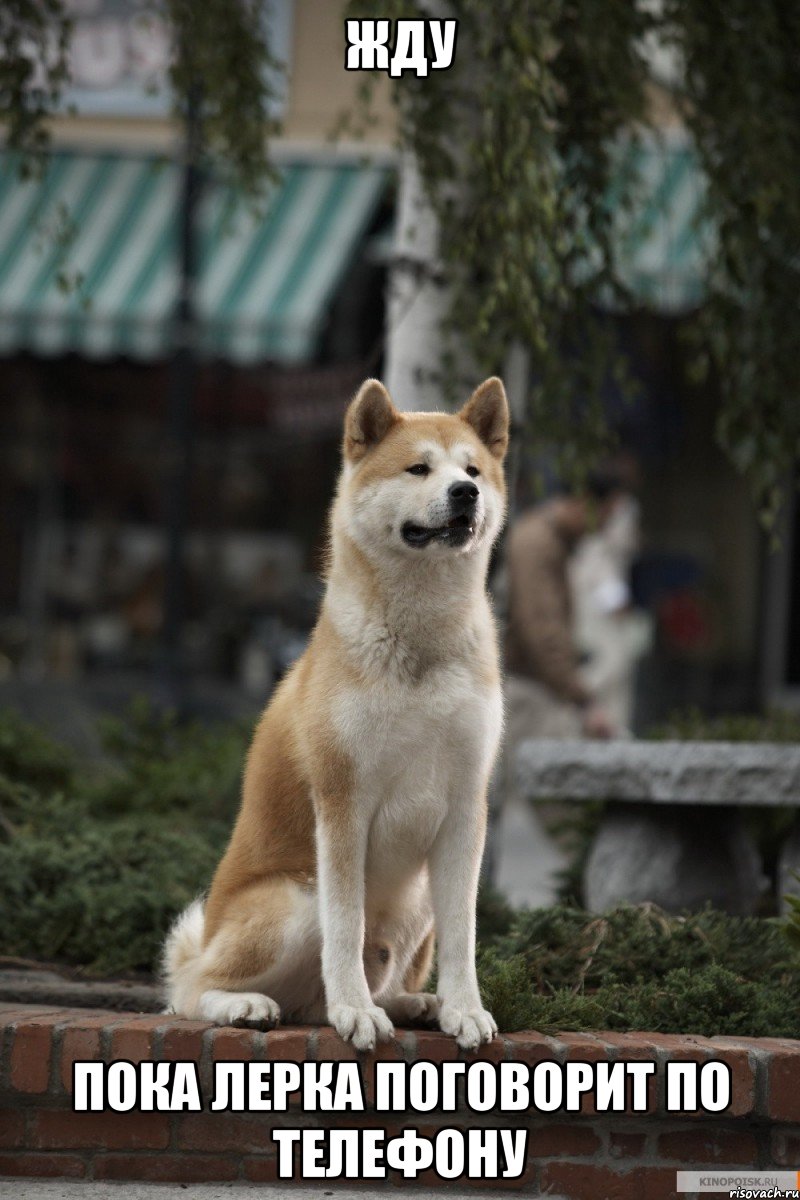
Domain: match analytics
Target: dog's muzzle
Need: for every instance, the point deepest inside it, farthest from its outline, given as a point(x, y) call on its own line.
point(462, 499)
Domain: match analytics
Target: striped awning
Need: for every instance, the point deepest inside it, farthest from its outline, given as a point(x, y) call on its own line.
point(663, 245)
point(88, 257)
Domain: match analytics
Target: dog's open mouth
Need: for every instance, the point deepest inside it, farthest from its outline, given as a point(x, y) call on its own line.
point(456, 532)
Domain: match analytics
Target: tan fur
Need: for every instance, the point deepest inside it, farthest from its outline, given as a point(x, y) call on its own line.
point(417, 974)
point(304, 770)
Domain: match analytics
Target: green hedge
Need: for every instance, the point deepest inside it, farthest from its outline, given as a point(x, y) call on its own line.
point(637, 968)
point(96, 859)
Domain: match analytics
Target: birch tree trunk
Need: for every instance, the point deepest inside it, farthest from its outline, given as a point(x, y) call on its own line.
point(417, 299)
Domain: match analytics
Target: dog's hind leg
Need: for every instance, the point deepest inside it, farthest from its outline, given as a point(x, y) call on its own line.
point(239, 1008)
point(263, 958)
point(419, 968)
point(411, 1003)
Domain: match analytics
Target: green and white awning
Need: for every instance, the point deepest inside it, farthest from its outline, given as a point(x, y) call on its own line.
point(88, 252)
point(663, 245)
point(88, 257)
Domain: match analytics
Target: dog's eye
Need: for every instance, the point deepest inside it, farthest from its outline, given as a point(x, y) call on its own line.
point(419, 469)
point(472, 471)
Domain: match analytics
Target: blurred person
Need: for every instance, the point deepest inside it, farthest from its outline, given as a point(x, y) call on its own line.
point(611, 634)
point(547, 695)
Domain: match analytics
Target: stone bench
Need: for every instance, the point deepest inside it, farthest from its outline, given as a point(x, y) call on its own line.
point(672, 832)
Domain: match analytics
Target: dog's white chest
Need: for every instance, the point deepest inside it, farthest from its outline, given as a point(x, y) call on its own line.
point(415, 751)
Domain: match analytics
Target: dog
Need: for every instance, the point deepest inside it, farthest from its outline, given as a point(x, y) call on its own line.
point(363, 812)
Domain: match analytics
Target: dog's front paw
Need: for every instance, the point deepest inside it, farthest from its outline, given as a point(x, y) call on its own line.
point(469, 1025)
point(361, 1026)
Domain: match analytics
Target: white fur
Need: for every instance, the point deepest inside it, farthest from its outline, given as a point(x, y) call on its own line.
point(239, 1008)
point(184, 944)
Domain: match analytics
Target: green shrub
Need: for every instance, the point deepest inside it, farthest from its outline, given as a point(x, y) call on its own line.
point(709, 1002)
point(567, 947)
point(792, 924)
point(160, 765)
point(30, 756)
point(692, 725)
point(100, 895)
point(95, 862)
point(638, 968)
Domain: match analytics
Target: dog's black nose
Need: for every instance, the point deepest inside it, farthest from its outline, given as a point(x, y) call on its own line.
point(462, 494)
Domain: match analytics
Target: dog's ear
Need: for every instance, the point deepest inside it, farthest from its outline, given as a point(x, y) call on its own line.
point(369, 418)
point(487, 412)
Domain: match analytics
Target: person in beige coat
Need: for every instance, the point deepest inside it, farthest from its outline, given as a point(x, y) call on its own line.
point(545, 687)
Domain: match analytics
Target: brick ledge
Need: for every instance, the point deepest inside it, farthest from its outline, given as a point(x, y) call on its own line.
point(582, 1157)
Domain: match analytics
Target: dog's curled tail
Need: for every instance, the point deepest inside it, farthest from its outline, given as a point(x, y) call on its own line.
point(182, 950)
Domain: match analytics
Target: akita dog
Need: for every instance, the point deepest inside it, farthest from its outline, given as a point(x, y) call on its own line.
point(364, 799)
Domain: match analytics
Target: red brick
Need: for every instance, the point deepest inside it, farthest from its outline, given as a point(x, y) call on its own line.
point(31, 1054)
point(393, 1051)
point(784, 1084)
point(658, 1183)
point(425, 1124)
point(743, 1080)
point(10, 1012)
point(575, 1046)
point(653, 1084)
point(63, 1130)
point(677, 1043)
point(586, 1046)
point(233, 1045)
point(132, 1045)
point(134, 1040)
point(582, 1047)
point(624, 1043)
point(572, 1141)
point(523, 1183)
point(532, 1048)
point(581, 1181)
point(79, 1043)
point(493, 1051)
point(221, 1131)
point(134, 1020)
point(183, 1041)
point(433, 1183)
point(261, 1170)
point(436, 1047)
point(12, 1128)
point(287, 1045)
point(51, 1166)
point(66, 1016)
point(331, 1046)
point(742, 1075)
point(166, 1168)
point(745, 1056)
point(626, 1145)
point(768, 1044)
point(785, 1148)
point(709, 1147)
